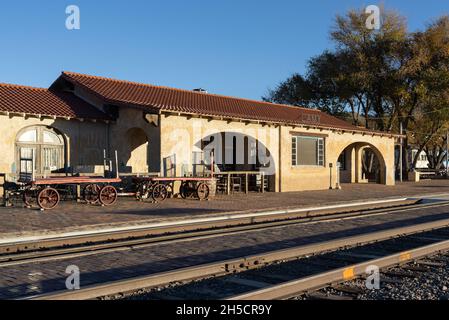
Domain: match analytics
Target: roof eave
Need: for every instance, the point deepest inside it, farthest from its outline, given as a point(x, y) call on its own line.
point(163, 109)
point(281, 123)
point(51, 116)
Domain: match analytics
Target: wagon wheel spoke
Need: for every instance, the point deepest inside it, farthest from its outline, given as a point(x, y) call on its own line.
point(92, 193)
point(190, 189)
point(183, 190)
point(48, 198)
point(202, 191)
point(29, 196)
point(169, 189)
point(160, 192)
point(108, 195)
point(140, 191)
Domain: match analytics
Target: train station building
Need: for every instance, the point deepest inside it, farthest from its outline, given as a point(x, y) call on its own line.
point(69, 127)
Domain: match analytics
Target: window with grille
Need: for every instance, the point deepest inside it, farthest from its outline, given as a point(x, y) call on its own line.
point(307, 151)
point(39, 149)
point(294, 154)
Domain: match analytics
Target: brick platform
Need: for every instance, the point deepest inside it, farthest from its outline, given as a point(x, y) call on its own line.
point(30, 278)
point(70, 216)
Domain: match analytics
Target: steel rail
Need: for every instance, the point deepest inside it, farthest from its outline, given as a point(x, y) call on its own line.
point(179, 231)
point(213, 230)
point(237, 265)
point(293, 288)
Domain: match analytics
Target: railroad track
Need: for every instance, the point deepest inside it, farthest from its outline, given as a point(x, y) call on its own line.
point(181, 229)
point(321, 276)
point(350, 257)
point(334, 281)
point(420, 279)
point(105, 242)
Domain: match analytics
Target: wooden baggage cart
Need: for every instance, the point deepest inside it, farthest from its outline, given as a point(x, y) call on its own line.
point(158, 189)
point(46, 192)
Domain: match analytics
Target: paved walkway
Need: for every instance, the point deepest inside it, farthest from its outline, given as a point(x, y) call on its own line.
point(69, 216)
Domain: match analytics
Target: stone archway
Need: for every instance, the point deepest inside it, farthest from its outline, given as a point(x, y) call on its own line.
point(361, 162)
point(239, 152)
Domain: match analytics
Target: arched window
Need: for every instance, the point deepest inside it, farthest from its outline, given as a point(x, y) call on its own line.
point(41, 147)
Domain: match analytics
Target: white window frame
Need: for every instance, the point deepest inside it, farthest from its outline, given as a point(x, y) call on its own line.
point(321, 151)
point(39, 147)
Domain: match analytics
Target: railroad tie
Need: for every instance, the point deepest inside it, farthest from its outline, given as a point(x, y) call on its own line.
point(348, 289)
point(323, 296)
point(399, 274)
point(415, 268)
point(390, 280)
point(248, 282)
point(431, 263)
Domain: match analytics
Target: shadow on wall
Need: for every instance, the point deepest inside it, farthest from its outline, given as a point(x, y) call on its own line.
point(135, 154)
point(59, 146)
point(84, 145)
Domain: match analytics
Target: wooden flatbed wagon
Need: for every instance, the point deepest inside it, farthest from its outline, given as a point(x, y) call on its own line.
point(46, 192)
point(159, 189)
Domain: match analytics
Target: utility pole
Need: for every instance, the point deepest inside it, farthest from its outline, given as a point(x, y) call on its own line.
point(330, 176)
point(400, 153)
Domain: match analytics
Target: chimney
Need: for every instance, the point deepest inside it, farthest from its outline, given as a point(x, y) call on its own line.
point(201, 90)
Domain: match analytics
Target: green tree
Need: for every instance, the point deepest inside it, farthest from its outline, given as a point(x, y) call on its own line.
point(381, 78)
point(356, 76)
point(428, 91)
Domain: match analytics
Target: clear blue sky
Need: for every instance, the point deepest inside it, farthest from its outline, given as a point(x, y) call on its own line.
point(232, 47)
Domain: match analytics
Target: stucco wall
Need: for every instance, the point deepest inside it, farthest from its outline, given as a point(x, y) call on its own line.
point(295, 178)
point(126, 137)
point(85, 140)
point(181, 136)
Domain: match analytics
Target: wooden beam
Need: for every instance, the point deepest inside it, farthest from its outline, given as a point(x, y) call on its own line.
point(309, 134)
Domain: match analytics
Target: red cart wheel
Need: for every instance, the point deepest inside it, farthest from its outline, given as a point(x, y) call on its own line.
point(160, 192)
point(202, 192)
point(108, 195)
point(92, 193)
point(48, 198)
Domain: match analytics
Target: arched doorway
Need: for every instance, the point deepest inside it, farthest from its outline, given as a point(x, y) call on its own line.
point(40, 148)
point(362, 163)
point(136, 145)
point(239, 152)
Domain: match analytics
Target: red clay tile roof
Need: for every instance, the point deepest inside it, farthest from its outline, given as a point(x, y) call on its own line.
point(45, 102)
point(184, 101)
